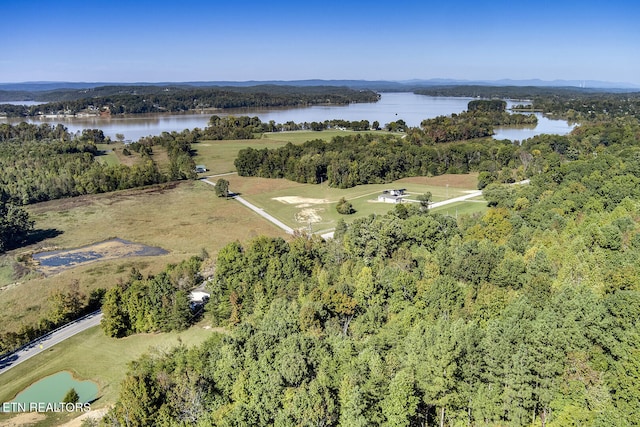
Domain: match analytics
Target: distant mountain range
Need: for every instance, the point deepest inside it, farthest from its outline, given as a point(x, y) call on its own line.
point(381, 85)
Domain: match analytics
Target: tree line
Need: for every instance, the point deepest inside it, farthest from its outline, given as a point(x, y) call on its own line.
point(159, 303)
point(117, 100)
point(351, 160)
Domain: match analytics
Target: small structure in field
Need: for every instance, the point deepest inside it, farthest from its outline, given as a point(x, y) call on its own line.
point(392, 196)
point(197, 299)
point(201, 168)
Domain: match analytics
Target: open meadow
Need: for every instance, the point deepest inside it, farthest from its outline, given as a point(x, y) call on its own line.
point(184, 219)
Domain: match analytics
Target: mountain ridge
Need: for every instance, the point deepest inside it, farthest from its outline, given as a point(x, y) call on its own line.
point(37, 86)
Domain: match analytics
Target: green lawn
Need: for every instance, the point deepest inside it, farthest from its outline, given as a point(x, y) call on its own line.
point(312, 205)
point(107, 154)
point(299, 137)
point(477, 205)
point(93, 356)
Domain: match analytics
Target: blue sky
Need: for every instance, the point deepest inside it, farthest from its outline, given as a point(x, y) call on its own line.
point(193, 40)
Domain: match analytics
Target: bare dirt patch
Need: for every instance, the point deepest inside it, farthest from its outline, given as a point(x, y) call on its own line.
point(308, 215)
point(295, 200)
point(95, 415)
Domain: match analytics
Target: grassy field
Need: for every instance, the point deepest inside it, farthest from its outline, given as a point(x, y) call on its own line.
point(313, 206)
point(182, 218)
point(468, 207)
point(218, 156)
point(91, 355)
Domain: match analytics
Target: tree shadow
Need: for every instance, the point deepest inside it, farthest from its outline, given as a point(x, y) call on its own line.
point(37, 236)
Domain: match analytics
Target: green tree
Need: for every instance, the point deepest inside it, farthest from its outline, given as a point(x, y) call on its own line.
point(15, 225)
point(424, 200)
point(115, 321)
point(344, 207)
point(400, 404)
point(222, 188)
point(71, 396)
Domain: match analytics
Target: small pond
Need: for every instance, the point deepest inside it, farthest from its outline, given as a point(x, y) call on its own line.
point(56, 261)
point(53, 388)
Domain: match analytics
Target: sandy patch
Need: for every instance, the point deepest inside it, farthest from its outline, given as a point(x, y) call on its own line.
point(95, 415)
point(308, 215)
point(295, 200)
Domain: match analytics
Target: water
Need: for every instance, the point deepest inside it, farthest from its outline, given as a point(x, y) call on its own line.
point(53, 388)
point(26, 103)
point(407, 106)
point(545, 125)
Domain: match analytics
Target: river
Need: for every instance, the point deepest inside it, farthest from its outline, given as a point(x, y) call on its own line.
point(407, 106)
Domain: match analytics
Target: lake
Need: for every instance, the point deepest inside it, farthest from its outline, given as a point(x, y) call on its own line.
point(407, 106)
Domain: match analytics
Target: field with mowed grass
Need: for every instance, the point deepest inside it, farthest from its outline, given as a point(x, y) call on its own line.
point(93, 356)
point(313, 206)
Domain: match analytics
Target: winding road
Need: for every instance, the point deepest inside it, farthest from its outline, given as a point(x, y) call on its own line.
point(47, 341)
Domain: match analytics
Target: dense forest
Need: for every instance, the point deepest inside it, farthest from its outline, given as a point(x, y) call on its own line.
point(155, 99)
point(158, 303)
point(351, 160)
point(526, 315)
point(42, 162)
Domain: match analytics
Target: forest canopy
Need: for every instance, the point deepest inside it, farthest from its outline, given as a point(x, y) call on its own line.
point(525, 315)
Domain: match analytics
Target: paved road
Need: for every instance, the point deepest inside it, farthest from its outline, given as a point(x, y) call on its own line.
point(470, 195)
point(256, 209)
point(49, 340)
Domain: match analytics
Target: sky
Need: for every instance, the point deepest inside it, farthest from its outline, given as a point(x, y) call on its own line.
point(199, 40)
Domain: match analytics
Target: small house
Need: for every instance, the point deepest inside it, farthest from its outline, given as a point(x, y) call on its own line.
point(392, 196)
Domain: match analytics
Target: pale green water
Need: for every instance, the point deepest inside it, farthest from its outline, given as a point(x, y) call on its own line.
point(53, 388)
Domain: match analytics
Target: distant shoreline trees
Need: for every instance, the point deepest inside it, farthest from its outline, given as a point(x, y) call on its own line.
point(118, 100)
